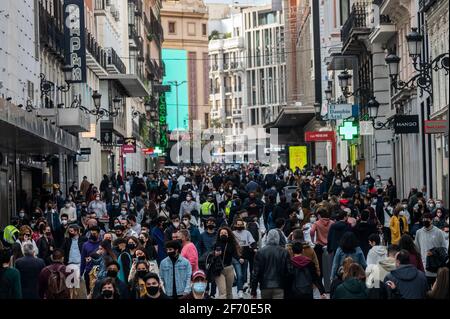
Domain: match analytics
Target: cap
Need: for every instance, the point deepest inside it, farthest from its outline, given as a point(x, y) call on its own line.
point(198, 274)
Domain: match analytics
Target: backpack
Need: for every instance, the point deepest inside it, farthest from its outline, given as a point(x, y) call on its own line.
point(253, 228)
point(438, 259)
point(5, 285)
point(56, 285)
point(302, 282)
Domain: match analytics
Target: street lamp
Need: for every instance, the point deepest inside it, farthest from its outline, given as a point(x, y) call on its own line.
point(423, 79)
point(328, 94)
point(373, 107)
point(97, 97)
point(344, 80)
point(47, 86)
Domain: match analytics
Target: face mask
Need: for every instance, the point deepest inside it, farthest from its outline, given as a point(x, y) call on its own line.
point(114, 193)
point(131, 246)
point(64, 222)
point(427, 223)
point(438, 205)
point(21, 215)
point(224, 238)
point(368, 176)
point(107, 293)
point(123, 213)
point(431, 205)
point(239, 228)
point(366, 183)
point(312, 220)
point(93, 238)
point(131, 207)
point(188, 198)
point(386, 204)
point(210, 226)
point(338, 182)
point(171, 254)
point(346, 184)
point(98, 198)
point(404, 206)
point(152, 290)
point(176, 225)
point(199, 287)
point(378, 179)
point(111, 273)
point(141, 273)
point(163, 206)
point(67, 205)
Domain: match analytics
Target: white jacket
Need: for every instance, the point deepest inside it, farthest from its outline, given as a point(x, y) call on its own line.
point(376, 254)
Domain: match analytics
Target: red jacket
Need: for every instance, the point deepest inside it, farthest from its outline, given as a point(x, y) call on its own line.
point(320, 228)
point(45, 274)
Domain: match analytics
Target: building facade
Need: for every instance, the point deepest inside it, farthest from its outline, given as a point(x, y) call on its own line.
point(185, 25)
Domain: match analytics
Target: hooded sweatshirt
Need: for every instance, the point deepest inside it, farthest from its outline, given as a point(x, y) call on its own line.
point(301, 262)
point(320, 229)
point(410, 282)
point(351, 289)
point(375, 273)
point(376, 254)
point(426, 239)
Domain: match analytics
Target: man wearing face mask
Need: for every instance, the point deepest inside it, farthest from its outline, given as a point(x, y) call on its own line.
point(336, 188)
point(70, 211)
point(199, 284)
point(188, 205)
point(427, 238)
point(52, 217)
point(98, 206)
point(172, 228)
point(175, 271)
point(153, 287)
point(368, 180)
point(89, 247)
point(23, 218)
point(405, 211)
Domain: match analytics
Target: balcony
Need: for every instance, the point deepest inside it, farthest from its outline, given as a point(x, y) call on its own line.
point(114, 64)
point(425, 5)
point(228, 89)
point(138, 7)
point(73, 120)
point(236, 66)
point(355, 28)
point(51, 36)
point(237, 113)
point(383, 29)
point(96, 57)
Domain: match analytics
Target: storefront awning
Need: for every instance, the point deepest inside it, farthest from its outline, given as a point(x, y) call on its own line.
point(292, 116)
point(131, 83)
point(24, 133)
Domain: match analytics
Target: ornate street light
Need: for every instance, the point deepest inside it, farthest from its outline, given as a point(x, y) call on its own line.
point(344, 80)
point(423, 79)
point(373, 107)
point(47, 86)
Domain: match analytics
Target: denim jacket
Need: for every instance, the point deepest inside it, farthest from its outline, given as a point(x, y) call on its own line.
point(183, 272)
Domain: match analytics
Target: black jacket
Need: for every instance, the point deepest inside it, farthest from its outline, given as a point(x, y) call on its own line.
point(68, 243)
point(270, 268)
point(335, 234)
point(302, 276)
point(281, 211)
point(362, 231)
point(410, 282)
point(30, 268)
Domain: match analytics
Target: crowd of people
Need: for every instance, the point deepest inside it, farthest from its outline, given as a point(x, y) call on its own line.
point(198, 232)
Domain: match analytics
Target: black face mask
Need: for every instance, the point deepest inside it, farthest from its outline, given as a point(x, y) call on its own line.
point(172, 254)
point(131, 246)
point(427, 223)
point(93, 238)
point(224, 238)
point(240, 228)
point(141, 258)
point(141, 273)
point(111, 273)
point(107, 293)
point(152, 290)
point(210, 226)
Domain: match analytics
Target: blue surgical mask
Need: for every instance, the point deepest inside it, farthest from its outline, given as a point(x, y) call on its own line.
point(199, 287)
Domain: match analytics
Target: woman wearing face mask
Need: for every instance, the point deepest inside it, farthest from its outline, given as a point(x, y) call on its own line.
point(439, 219)
point(46, 244)
point(105, 255)
point(225, 249)
point(139, 270)
point(164, 210)
point(114, 210)
point(149, 247)
point(25, 234)
point(398, 225)
point(109, 290)
point(148, 214)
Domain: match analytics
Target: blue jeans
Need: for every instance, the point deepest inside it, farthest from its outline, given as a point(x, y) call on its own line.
point(241, 273)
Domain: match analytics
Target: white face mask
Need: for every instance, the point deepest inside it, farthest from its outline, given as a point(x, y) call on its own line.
point(431, 205)
point(386, 204)
point(67, 205)
point(404, 206)
point(124, 212)
point(312, 220)
point(163, 205)
point(176, 225)
point(21, 214)
point(64, 222)
point(438, 205)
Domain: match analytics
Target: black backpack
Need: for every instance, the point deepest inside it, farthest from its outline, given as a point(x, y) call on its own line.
point(253, 228)
point(302, 282)
point(438, 259)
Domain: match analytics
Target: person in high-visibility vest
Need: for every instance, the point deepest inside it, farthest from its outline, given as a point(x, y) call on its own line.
point(208, 208)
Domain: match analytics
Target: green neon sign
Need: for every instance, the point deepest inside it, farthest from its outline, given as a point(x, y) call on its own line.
point(348, 130)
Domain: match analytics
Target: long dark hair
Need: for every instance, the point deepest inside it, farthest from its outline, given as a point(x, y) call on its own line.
point(106, 245)
point(349, 242)
point(407, 243)
point(231, 238)
point(440, 289)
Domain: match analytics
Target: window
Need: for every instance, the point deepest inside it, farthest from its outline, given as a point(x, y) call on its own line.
point(172, 27)
point(204, 31)
point(206, 120)
point(191, 28)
